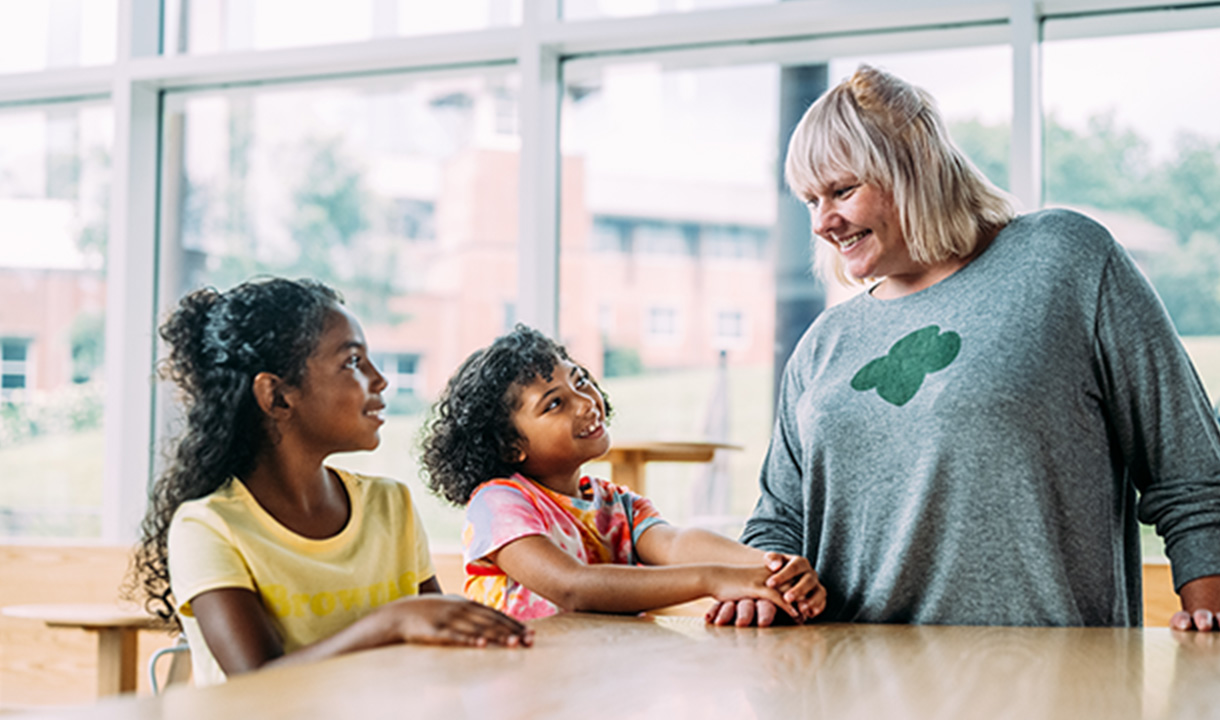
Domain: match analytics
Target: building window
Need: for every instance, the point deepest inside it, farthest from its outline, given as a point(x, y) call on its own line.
point(14, 365)
point(662, 323)
point(730, 327)
point(402, 374)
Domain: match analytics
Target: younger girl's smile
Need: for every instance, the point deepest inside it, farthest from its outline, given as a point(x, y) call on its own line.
point(562, 424)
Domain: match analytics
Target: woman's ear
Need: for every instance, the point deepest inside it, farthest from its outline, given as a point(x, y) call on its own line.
point(269, 393)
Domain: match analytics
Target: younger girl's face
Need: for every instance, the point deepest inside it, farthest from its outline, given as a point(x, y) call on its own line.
point(563, 423)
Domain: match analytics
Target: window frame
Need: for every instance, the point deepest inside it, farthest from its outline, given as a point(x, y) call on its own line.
point(541, 48)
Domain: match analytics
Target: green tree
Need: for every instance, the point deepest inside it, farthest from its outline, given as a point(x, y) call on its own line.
point(1108, 167)
point(329, 225)
point(987, 146)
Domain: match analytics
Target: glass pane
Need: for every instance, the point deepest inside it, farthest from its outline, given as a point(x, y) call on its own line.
point(1115, 151)
point(587, 9)
point(41, 34)
point(54, 194)
point(682, 267)
point(211, 26)
point(401, 194)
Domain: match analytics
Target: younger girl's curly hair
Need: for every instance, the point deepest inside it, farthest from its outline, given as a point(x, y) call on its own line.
point(218, 342)
point(470, 437)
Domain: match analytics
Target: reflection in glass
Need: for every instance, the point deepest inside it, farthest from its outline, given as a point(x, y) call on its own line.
point(1115, 151)
point(400, 194)
point(587, 9)
point(54, 194)
point(47, 34)
point(211, 26)
point(681, 248)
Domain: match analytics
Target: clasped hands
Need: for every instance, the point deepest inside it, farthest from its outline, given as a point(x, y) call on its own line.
point(793, 577)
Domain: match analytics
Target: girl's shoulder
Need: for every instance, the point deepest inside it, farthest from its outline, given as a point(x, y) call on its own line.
point(514, 485)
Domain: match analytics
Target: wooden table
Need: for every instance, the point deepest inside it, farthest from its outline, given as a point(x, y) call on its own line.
point(672, 668)
point(627, 459)
point(117, 631)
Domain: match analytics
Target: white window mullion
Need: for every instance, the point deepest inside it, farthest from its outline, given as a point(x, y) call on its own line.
point(539, 185)
point(1025, 162)
point(130, 279)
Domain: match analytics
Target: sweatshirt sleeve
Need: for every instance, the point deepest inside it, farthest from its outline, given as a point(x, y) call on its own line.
point(777, 522)
point(1161, 419)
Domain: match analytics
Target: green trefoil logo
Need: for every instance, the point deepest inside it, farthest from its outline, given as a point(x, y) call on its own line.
point(898, 375)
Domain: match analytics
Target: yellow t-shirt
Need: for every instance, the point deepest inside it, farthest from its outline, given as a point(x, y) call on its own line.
point(311, 588)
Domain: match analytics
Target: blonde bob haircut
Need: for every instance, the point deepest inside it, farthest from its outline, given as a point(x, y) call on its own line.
point(877, 129)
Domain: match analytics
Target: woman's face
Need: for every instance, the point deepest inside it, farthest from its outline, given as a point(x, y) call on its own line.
point(861, 223)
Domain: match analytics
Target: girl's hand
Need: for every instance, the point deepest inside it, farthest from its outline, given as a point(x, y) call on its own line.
point(797, 580)
point(452, 620)
point(737, 582)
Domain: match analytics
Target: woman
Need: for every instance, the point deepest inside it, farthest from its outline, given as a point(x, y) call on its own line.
point(972, 440)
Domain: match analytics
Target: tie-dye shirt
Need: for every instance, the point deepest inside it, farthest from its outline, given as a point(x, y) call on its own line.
point(601, 526)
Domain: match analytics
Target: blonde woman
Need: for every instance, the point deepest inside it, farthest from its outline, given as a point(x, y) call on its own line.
point(975, 439)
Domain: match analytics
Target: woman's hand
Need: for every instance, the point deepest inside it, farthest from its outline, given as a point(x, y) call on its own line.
point(797, 580)
point(451, 620)
point(1200, 605)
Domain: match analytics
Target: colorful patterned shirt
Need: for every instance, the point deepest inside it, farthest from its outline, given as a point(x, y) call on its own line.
point(601, 526)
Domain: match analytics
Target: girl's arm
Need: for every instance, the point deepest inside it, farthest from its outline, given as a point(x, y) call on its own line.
point(667, 545)
point(239, 632)
point(543, 567)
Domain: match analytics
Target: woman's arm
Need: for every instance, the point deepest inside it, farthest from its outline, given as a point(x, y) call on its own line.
point(241, 637)
point(543, 567)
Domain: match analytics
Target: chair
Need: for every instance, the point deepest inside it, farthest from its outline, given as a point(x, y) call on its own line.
point(179, 665)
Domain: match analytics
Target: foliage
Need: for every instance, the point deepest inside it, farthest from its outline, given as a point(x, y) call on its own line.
point(71, 409)
point(328, 223)
point(621, 362)
point(987, 146)
point(88, 337)
point(1108, 167)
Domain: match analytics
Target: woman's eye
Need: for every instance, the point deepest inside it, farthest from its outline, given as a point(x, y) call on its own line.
point(554, 403)
point(845, 191)
point(353, 361)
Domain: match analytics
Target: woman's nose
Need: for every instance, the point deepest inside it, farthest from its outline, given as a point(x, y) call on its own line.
point(822, 220)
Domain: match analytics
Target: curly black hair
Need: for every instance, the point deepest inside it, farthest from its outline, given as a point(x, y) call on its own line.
point(218, 342)
point(469, 437)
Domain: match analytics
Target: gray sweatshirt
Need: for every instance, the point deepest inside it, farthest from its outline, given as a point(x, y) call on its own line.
point(978, 452)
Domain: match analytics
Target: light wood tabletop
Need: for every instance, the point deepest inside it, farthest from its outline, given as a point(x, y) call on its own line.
point(593, 666)
point(117, 629)
point(627, 459)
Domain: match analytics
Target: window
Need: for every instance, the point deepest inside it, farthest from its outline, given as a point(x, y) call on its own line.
point(662, 323)
point(213, 26)
point(50, 34)
point(405, 382)
point(54, 223)
point(397, 193)
point(1151, 177)
point(14, 366)
point(683, 158)
point(730, 327)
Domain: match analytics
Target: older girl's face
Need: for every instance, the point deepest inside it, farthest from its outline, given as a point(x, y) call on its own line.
point(861, 223)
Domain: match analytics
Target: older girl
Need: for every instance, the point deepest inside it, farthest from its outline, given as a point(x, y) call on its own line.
point(264, 554)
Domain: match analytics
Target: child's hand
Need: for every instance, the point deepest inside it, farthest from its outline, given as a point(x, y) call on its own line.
point(736, 582)
point(797, 580)
point(451, 620)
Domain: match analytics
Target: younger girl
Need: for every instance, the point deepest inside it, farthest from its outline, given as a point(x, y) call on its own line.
point(263, 554)
point(507, 439)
